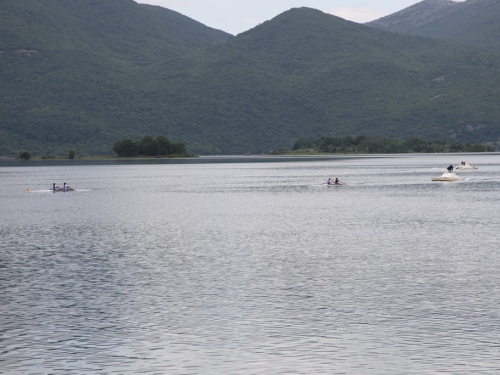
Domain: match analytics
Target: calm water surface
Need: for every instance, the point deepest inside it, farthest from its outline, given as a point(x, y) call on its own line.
point(251, 268)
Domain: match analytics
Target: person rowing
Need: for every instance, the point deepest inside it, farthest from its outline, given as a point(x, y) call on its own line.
point(338, 182)
point(55, 187)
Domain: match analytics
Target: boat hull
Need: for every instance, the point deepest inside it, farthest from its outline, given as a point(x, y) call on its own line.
point(466, 168)
point(447, 177)
point(444, 179)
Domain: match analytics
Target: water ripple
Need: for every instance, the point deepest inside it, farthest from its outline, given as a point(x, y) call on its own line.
point(253, 272)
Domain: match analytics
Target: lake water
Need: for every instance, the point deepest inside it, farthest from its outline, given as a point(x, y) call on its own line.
point(250, 266)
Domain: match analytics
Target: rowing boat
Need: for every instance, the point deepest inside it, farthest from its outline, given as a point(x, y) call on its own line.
point(63, 191)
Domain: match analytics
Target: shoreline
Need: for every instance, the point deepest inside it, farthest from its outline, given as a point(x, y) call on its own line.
point(226, 159)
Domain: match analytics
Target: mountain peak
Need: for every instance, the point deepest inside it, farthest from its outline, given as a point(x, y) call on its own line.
point(301, 23)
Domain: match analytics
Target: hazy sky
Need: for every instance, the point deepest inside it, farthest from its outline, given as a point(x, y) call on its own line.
point(236, 16)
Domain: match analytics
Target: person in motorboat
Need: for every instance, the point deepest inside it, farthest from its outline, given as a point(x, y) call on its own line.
point(450, 169)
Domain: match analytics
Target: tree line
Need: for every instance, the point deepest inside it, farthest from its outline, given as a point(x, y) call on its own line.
point(25, 155)
point(149, 146)
point(373, 145)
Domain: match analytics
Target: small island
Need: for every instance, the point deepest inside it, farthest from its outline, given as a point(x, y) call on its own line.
point(150, 147)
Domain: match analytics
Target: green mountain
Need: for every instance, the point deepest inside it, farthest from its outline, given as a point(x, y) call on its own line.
point(73, 70)
point(307, 74)
point(472, 21)
point(303, 74)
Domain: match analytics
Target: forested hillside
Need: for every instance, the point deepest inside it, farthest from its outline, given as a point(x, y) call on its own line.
point(308, 74)
point(86, 73)
point(78, 73)
point(472, 21)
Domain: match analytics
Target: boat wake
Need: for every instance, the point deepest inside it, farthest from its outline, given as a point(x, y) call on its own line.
point(478, 179)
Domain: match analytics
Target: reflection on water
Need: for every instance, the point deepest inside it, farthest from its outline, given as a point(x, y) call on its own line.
point(251, 268)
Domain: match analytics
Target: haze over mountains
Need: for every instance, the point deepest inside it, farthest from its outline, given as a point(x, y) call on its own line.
point(472, 21)
point(82, 74)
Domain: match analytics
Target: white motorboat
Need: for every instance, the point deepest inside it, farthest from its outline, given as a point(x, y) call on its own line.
point(465, 166)
point(447, 176)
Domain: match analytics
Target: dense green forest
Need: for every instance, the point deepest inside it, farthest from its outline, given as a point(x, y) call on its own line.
point(374, 145)
point(80, 74)
point(149, 146)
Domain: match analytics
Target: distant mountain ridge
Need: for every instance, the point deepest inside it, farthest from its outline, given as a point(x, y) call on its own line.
point(100, 75)
point(471, 21)
point(118, 28)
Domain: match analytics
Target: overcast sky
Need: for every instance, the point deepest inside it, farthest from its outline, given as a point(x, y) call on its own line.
point(236, 16)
